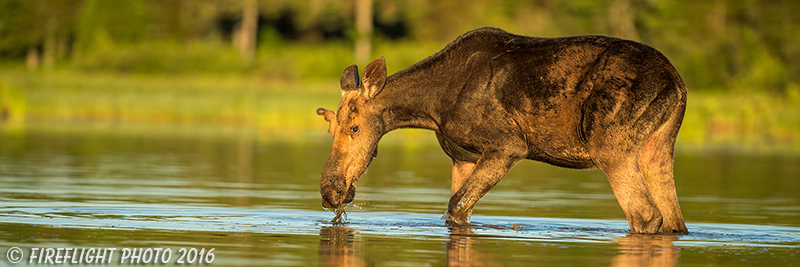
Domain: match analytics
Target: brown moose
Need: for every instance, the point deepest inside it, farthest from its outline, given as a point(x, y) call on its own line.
point(495, 98)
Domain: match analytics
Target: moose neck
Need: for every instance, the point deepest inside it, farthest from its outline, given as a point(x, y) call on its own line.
point(413, 97)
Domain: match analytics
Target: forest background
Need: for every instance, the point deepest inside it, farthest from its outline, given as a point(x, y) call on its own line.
point(265, 65)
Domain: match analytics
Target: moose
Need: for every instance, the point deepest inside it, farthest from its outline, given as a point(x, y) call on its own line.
point(494, 98)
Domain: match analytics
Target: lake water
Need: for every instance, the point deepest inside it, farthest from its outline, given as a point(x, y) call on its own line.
point(256, 202)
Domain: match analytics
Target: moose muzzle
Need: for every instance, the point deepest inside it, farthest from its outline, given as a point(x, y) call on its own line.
point(335, 192)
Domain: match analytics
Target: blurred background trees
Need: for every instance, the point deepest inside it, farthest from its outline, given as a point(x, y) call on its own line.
point(716, 45)
point(267, 64)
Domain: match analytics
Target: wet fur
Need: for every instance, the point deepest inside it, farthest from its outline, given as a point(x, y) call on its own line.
point(495, 98)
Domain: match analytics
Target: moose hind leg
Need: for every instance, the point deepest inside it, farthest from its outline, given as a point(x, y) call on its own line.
point(630, 188)
point(656, 162)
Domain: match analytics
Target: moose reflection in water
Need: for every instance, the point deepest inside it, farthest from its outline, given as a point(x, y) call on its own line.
point(339, 246)
point(646, 250)
point(495, 98)
point(460, 251)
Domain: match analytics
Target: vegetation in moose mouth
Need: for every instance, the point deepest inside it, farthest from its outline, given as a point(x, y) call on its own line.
point(341, 215)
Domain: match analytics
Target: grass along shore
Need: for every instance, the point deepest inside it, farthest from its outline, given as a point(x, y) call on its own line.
point(752, 121)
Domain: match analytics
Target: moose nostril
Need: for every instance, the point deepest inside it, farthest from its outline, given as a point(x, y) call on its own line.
point(351, 194)
point(327, 204)
point(330, 201)
point(331, 196)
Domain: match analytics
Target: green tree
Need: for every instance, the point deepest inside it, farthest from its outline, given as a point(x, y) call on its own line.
point(38, 29)
point(103, 23)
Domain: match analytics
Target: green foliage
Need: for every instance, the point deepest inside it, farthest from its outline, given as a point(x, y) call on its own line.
point(327, 61)
point(751, 120)
point(726, 45)
point(25, 24)
point(103, 22)
point(12, 105)
point(271, 108)
point(741, 45)
point(14, 39)
point(166, 57)
point(400, 55)
point(301, 61)
point(278, 62)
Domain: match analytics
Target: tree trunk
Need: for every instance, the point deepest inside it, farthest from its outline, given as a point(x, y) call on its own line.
point(364, 29)
point(622, 18)
point(48, 55)
point(244, 36)
point(32, 59)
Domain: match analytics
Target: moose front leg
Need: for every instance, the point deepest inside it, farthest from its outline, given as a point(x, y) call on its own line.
point(486, 173)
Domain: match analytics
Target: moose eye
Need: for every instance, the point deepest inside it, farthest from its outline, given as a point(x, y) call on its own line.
point(354, 129)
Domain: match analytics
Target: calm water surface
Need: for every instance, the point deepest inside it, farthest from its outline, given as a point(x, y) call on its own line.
point(256, 202)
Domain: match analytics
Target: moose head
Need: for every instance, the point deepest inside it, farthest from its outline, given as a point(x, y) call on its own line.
point(356, 127)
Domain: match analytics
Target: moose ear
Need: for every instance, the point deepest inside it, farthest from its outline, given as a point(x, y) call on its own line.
point(375, 77)
point(327, 114)
point(349, 80)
